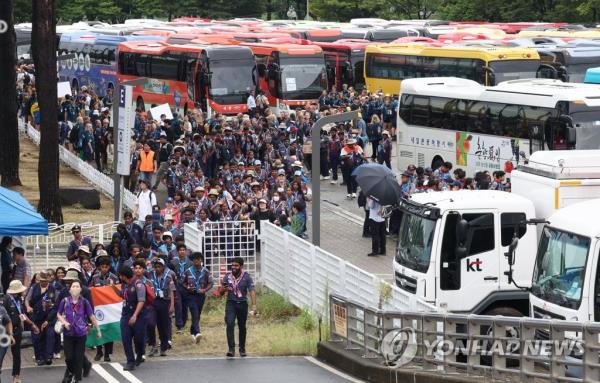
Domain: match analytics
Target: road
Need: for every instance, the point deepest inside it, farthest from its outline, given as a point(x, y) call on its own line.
point(248, 370)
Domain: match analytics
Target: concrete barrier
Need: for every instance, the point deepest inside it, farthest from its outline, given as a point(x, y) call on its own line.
point(375, 371)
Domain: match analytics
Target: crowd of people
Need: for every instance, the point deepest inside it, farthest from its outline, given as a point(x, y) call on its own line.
point(155, 282)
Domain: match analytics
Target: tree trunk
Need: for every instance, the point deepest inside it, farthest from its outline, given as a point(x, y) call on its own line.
point(43, 46)
point(9, 130)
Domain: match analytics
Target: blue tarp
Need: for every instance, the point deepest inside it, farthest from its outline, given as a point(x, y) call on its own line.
point(17, 216)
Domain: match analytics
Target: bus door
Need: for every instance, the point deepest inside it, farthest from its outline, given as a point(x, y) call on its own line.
point(273, 77)
point(333, 70)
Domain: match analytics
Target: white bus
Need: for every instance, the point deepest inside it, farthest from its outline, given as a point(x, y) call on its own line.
point(493, 128)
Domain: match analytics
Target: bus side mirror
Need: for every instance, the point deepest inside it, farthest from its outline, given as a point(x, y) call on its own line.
point(546, 69)
point(261, 69)
point(571, 136)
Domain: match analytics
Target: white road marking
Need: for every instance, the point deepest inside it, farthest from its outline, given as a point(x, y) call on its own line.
point(103, 373)
point(333, 370)
point(126, 374)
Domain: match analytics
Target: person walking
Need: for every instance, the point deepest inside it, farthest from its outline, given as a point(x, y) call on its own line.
point(162, 307)
point(133, 324)
point(165, 149)
point(377, 227)
point(22, 269)
point(104, 277)
point(6, 247)
point(7, 323)
point(147, 165)
point(197, 281)
point(237, 285)
point(73, 313)
point(352, 156)
point(384, 150)
point(145, 202)
point(251, 103)
point(180, 265)
point(13, 303)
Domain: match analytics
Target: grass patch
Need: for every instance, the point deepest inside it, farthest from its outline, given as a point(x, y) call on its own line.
point(279, 329)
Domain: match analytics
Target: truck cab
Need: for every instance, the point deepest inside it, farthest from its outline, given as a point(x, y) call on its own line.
point(566, 278)
point(452, 245)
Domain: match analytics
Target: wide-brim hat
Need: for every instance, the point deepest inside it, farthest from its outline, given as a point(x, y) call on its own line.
point(16, 287)
point(72, 275)
point(84, 248)
point(352, 141)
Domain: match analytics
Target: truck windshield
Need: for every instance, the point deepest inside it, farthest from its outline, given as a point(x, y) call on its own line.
point(231, 81)
point(560, 267)
point(514, 69)
point(415, 241)
point(301, 77)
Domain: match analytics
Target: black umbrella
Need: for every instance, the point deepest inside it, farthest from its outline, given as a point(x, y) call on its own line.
point(378, 182)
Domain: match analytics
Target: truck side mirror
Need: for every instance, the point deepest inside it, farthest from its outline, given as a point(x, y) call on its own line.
point(462, 229)
point(511, 250)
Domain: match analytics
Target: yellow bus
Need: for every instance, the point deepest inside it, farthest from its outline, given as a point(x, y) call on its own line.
point(387, 65)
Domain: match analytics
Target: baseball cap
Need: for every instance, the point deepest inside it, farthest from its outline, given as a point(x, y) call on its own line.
point(281, 171)
point(298, 173)
point(76, 228)
point(167, 234)
point(257, 162)
point(159, 261)
point(169, 199)
point(163, 134)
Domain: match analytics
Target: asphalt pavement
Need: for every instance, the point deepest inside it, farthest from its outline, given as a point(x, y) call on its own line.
point(247, 370)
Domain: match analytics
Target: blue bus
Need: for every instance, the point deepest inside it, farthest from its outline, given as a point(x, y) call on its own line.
point(94, 64)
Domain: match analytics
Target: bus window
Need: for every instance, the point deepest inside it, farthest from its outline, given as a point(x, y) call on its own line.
point(597, 295)
point(420, 110)
point(165, 67)
point(440, 113)
point(556, 134)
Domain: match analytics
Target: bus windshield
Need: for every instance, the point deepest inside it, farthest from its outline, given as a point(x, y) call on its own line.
point(577, 71)
point(514, 69)
point(415, 242)
point(560, 267)
point(301, 77)
point(231, 81)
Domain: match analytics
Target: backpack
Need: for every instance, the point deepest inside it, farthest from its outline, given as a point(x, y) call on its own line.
point(150, 296)
point(74, 134)
point(154, 207)
point(372, 130)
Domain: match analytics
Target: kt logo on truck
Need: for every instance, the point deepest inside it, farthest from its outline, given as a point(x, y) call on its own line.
point(474, 265)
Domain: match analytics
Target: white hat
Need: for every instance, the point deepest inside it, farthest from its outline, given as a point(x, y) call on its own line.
point(16, 287)
point(385, 132)
point(298, 173)
point(167, 234)
point(352, 141)
point(84, 248)
point(95, 112)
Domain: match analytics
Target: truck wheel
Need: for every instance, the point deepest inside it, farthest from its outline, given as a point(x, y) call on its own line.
point(504, 311)
point(511, 332)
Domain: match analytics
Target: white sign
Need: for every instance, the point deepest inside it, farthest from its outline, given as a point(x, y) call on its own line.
point(125, 127)
point(290, 84)
point(63, 88)
point(157, 111)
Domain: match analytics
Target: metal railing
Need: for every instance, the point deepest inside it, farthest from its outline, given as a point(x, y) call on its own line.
point(87, 171)
point(221, 241)
point(496, 347)
point(305, 274)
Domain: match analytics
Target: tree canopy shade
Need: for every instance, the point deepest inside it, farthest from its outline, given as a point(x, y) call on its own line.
point(17, 216)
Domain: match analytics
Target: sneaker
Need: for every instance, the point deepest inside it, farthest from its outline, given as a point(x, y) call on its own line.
point(98, 356)
point(139, 360)
point(107, 358)
point(326, 177)
point(129, 367)
point(353, 195)
point(230, 353)
point(48, 362)
point(197, 337)
point(87, 368)
point(242, 353)
point(163, 353)
point(170, 346)
point(348, 196)
point(153, 352)
point(57, 355)
point(321, 178)
point(333, 182)
point(372, 255)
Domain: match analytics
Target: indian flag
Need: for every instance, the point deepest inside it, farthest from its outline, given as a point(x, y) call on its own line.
point(107, 308)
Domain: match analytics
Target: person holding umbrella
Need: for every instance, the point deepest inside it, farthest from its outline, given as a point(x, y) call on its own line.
point(377, 227)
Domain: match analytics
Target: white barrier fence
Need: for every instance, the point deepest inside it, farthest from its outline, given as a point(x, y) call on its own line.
point(306, 275)
point(221, 241)
point(87, 171)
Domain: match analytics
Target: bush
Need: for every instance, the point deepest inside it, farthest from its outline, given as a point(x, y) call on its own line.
point(273, 306)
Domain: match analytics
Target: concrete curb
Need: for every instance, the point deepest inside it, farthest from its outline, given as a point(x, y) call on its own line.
point(370, 370)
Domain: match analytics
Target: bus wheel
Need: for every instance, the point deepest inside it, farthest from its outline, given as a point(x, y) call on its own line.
point(437, 162)
point(139, 104)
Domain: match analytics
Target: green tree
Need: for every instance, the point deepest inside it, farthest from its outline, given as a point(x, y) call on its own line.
point(342, 10)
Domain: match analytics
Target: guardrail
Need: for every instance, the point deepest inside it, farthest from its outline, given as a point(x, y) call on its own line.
point(87, 171)
point(306, 274)
point(62, 235)
point(496, 347)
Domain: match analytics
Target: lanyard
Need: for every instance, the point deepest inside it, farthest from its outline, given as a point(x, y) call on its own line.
point(115, 265)
point(159, 284)
point(17, 304)
point(197, 280)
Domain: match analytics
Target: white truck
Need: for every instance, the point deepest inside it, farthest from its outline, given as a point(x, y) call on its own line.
point(456, 249)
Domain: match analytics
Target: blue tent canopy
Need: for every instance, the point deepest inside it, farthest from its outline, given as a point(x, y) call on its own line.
point(17, 216)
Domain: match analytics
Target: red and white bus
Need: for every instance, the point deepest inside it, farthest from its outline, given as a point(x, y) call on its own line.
point(290, 74)
point(345, 60)
point(216, 78)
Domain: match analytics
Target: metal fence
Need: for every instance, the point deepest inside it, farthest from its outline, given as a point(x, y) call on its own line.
point(496, 347)
point(221, 241)
point(306, 274)
point(87, 171)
